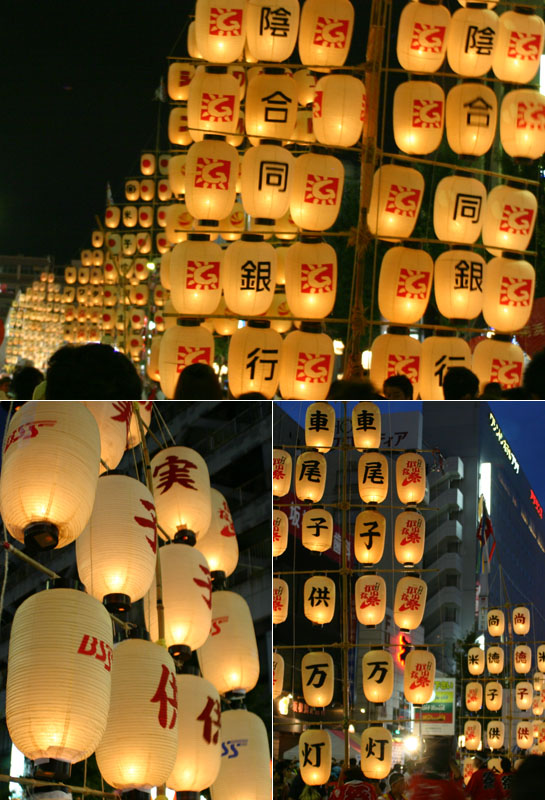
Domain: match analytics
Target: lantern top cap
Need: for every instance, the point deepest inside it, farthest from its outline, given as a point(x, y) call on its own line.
point(512, 256)
point(311, 327)
point(398, 330)
point(308, 238)
point(528, 10)
point(252, 237)
point(274, 71)
point(188, 322)
point(258, 323)
point(216, 69)
point(502, 337)
point(198, 237)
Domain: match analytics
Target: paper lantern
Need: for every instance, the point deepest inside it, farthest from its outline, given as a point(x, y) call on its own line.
point(311, 278)
point(538, 681)
point(245, 763)
point(325, 32)
point(178, 80)
point(494, 659)
point(405, 282)
point(419, 677)
point(524, 695)
point(254, 353)
point(395, 202)
point(540, 657)
point(409, 537)
point(471, 114)
point(266, 175)
point(370, 599)
point(519, 46)
point(472, 734)
point(458, 283)
point(182, 345)
point(210, 173)
point(509, 219)
point(499, 362)
point(493, 695)
point(369, 536)
point(176, 174)
point(199, 741)
point(522, 659)
point(376, 749)
point(522, 123)
point(338, 110)
point(49, 473)
point(271, 31)
point(219, 545)
point(475, 661)
point(373, 477)
point(220, 32)
point(495, 622)
point(181, 489)
point(97, 238)
point(422, 37)
point(195, 275)
point(139, 746)
point(317, 530)
point(178, 223)
point(377, 668)
point(271, 105)
point(147, 190)
point(113, 420)
point(474, 696)
point(439, 353)
point(249, 271)
point(317, 679)
point(178, 128)
point(57, 704)
point(315, 756)
point(148, 163)
point(280, 532)
point(495, 733)
point(468, 768)
point(525, 735)
point(213, 105)
point(229, 657)
point(508, 292)
point(112, 216)
point(310, 476)
point(281, 594)
point(282, 468)
point(278, 675)
point(458, 209)
point(418, 116)
point(410, 477)
point(521, 620)
point(152, 367)
point(319, 599)
point(470, 42)
point(306, 367)
point(320, 426)
point(317, 191)
point(409, 602)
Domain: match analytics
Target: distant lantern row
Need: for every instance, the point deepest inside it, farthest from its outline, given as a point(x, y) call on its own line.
point(520, 620)
point(311, 472)
point(320, 426)
point(527, 733)
point(495, 660)
point(492, 692)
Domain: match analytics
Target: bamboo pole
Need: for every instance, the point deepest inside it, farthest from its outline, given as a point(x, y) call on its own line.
point(73, 789)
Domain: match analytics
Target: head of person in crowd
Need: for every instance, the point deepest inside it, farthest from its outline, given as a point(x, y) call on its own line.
point(24, 381)
point(492, 391)
point(460, 383)
point(91, 372)
point(198, 382)
point(534, 377)
point(352, 390)
point(397, 387)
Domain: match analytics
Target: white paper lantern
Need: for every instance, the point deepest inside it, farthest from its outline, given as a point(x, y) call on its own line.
point(409, 537)
point(306, 366)
point(458, 283)
point(376, 749)
point(182, 345)
point(320, 426)
point(316, 195)
point(315, 756)
point(113, 420)
point(522, 123)
point(524, 695)
point(422, 37)
point(498, 362)
point(472, 734)
point(378, 675)
point(418, 116)
point(373, 477)
point(419, 677)
point(508, 292)
point(310, 476)
point(495, 622)
point(493, 694)
point(220, 30)
point(410, 602)
point(195, 275)
point(471, 39)
point(471, 114)
point(369, 536)
point(317, 679)
point(280, 532)
point(395, 202)
point(509, 219)
point(271, 31)
point(181, 489)
point(338, 110)
point(519, 46)
point(366, 426)
point(495, 733)
point(325, 32)
point(474, 696)
point(475, 661)
point(319, 595)
point(458, 209)
point(521, 620)
point(278, 675)
point(245, 762)
point(317, 530)
point(282, 468)
point(219, 544)
point(439, 353)
point(405, 282)
point(311, 278)
point(370, 599)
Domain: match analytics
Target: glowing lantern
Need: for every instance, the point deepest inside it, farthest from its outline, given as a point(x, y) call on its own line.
point(405, 282)
point(498, 361)
point(472, 734)
point(266, 175)
point(524, 695)
point(496, 622)
point(306, 367)
point(113, 420)
point(211, 172)
point(176, 174)
point(376, 748)
point(508, 292)
point(97, 238)
point(219, 544)
point(317, 191)
point(409, 602)
point(181, 489)
point(282, 467)
point(475, 661)
point(493, 695)
point(325, 32)
point(395, 203)
point(178, 129)
point(373, 477)
point(525, 735)
point(148, 164)
point(338, 110)
point(410, 477)
point(509, 219)
point(474, 696)
point(57, 704)
point(495, 733)
point(470, 42)
point(315, 756)
point(271, 105)
point(522, 658)
point(458, 209)
point(48, 486)
point(494, 659)
point(139, 746)
point(422, 37)
point(458, 283)
point(468, 769)
point(318, 679)
point(271, 31)
point(279, 308)
point(220, 32)
point(178, 80)
point(147, 190)
point(471, 113)
point(214, 103)
point(278, 675)
point(439, 353)
point(152, 368)
point(70, 275)
point(319, 599)
point(419, 677)
point(178, 223)
point(310, 476)
point(521, 620)
point(317, 530)
point(378, 675)
point(248, 775)
point(311, 278)
point(369, 536)
point(522, 123)
point(538, 680)
point(519, 46)
point(320, 426)
point(409, 537)
point(184, 344)
point(280, 532)
point(112, 216)
point(370, 599)
point(540, 657)
point(418, 116)
point(366, 426)
point(249, 271)
point(232, 226)
point(254, 354)
point(281, 597)
point(195, 275)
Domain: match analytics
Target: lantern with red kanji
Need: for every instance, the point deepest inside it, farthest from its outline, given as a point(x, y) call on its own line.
point(317, 529)
point(540, 657)
point(409, 537)
point(377, 668)
point(317, 679)
point(319, 599)
point(213, 105)
point(278, 675)
point(281, 596)
point(249, 272)
point(306, 367)
point(271, 31)
point(370, 599)
point(474, 696)
point(210, 179)
point(282, 467)
point(315, 756)
point(369, 536)
point(376, 749)
point(524, 695)
point(422, 37)
point(220, 31)
point(373, 477)
point(404, 287)
point(195, 275)
point(419, 676)
point(418, 116)
point(458, 209)
point(471, 114)
point(280, 532)
point(271, 105)
point(395, 202)
point(311, 278)
point(181, 345)
point(338, 110)
point(316, 195)
point(472, 734)
point(410, 602)
point(525, 735)
point(439, 353)
point(410, 477)
point(458, 283)
point(498, 361)
point(519, 46)
point(508, 292)
point(325, 32)
point(253, 360)
point(475, 661)
point(470, 42)
point(509, 219)
point(320, 426)
point(496, 622)
point(521, 620)
point(310, 476)
point(219, 544)
point(495, 659)
point(493, 695)
point(495, 733)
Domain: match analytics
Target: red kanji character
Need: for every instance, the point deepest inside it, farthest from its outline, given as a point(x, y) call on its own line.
point(206, 584)
point(149, 523)
point(161, 696)
point(175, 470)
point(124, 409)
point(229, 528)
point(211, 716)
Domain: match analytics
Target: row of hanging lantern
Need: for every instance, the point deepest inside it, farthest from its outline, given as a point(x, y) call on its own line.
point(100, 700)
point(34, 324)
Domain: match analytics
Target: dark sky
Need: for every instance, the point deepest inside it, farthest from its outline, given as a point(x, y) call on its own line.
point(77, 108)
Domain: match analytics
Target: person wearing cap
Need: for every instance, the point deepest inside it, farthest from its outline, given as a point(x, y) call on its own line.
point(396, 785)
point(484, 784)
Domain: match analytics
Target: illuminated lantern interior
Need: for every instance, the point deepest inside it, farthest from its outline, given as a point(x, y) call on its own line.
point(319, 599)
point(369, 536)
point(318, 679)
point(320, 426)
point(370, 599)
point(317, 529)
point(373, 477)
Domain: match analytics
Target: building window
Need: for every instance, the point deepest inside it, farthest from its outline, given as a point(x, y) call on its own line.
point(451, 580)
point(451, 615)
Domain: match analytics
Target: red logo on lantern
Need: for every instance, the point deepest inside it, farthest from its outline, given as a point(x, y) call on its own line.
point(427, 113)
point(403, 201)
point(184, 79)
point(410, 599)
point(161, 697)
point(278, 601)
point(225, 22)
point(191, 355)
point(88, 647)
point(217, 622)
point(149, 522)
point(312, 368)
point(516, 219)
point(421, 675)
point(228, 528)
point(28, 431)
point(411, 532)
point(321, 191)
point(206, 585)
point(203, 275)
point(331, 32)
point(508, 373)
point(413, 283)
point(525, 46)
point(428, 38)
point(212, 173)
point(210, 716)
point(218, 107)
point(515, 291)
point(174, 470)
point(370, 596)
point(412, 472)
point(183, 220)
point(403, 365)
point(531, 115)
point(316, 278)
point(317, 105)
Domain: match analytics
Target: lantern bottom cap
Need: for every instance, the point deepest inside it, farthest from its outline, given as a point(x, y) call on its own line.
point(188, 795)
point(53, 768)
point(117, 603)
point(135, 794)
point(41, 536)
point(180, 652)
point(218, 579)
point(185, 536)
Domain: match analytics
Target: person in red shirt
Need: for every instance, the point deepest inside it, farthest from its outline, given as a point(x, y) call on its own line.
point(484, 784)
point(355, 787)
point(432, 780)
